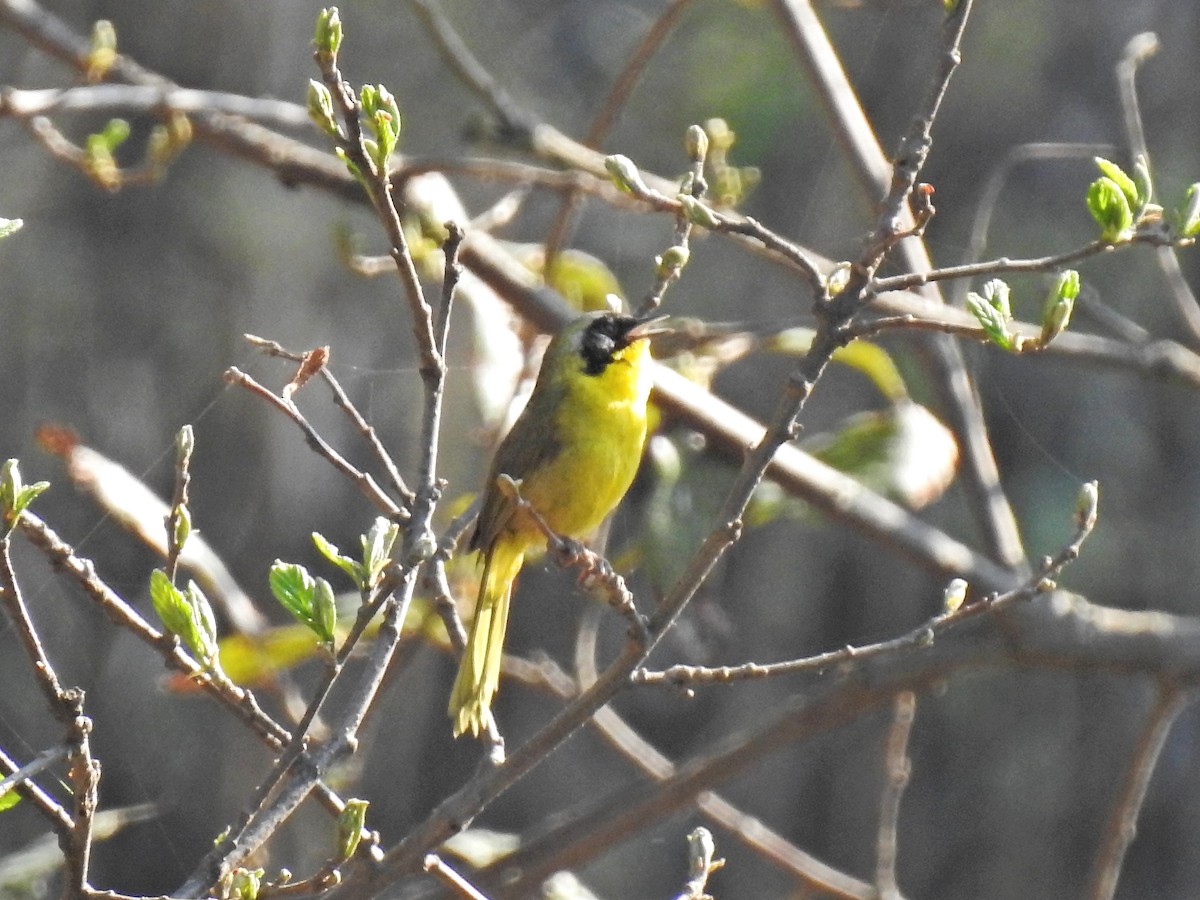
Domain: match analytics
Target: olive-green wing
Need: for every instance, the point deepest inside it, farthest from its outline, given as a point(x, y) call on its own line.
point(530, 444)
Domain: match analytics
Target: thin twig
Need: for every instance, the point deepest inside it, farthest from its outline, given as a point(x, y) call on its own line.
point(564, 846)
point(236, 699)
point(850, 658)
point(66, 705)
point(342, 401)
point(460, 885)
point(1138, 49)
point(109, 98)
point(897, 769)
point(366, 485)
point(1122, 822)
point(979, 476)
point(59, 818)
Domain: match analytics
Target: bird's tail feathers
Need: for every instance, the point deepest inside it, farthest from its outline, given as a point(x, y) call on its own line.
point(479, 670)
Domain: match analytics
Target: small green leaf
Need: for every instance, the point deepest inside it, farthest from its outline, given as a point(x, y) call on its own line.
point(331, 552)
point(309, 599)
point(377, 546)
point(173, 609)
point(1110, 208)
point(324, 611)
point(10, 226)
point(1187, 216)
point(293, 587)
point(204, 641)
point(9, 798)
point(993, 312)
point(1127, 185)
point(349, 828)
point(15, 495)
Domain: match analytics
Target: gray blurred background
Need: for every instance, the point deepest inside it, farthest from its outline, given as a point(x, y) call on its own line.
point(119, 313)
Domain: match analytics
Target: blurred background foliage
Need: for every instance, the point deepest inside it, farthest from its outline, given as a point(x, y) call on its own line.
point(119, 312)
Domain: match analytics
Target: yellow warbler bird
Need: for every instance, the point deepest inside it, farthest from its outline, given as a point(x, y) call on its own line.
point(573, 452)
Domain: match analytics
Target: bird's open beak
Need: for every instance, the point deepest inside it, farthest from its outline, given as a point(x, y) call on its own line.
point(648, 328)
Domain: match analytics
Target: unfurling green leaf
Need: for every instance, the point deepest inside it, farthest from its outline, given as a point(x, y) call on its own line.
point(309, 599)
point(186, 614)
point(1187, 217)
point(1144, 186)
point(377, 546)
point(328, 36)
point(1110, 208)
point(331, 552)
point(992, 311)
point(349, 828)
point(10, 226)
point(15, 495)
point(320, 107)
point(1118, 176)
point(1060, 303)
point(244, 884)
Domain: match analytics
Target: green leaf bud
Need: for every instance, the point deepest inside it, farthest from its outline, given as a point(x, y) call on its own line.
point(697, 213)
point(328, 37)
point(115, 133)
point(1086, 505)
point(1188, 215)
point(1127, 185)
point(182, 529)
point(203, 641)
point(954, 595)
point(349, 828)
point(1143, 185)
point(1060, 303)
point(10, 226)
point(1110, 208)
point(625, 175)
point(244, 884)
point(377, 546)
point(695, 143)
point(990, 312)
point(320, 107)
point(324, 611)
point(672, 261)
